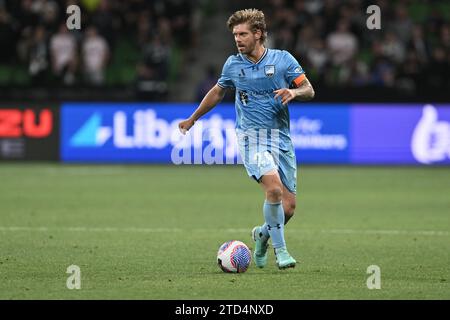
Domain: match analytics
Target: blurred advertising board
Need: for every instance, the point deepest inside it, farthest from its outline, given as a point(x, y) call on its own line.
point(400, 134)
point(321, 133)
point(29, 132)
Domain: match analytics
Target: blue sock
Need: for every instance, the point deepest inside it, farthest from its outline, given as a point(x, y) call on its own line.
point(274, 216)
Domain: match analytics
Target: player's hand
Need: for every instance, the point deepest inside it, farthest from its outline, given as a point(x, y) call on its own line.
point(285, 94)
point(185, 125)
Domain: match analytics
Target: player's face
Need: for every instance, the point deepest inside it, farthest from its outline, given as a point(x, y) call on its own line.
point(245, 39)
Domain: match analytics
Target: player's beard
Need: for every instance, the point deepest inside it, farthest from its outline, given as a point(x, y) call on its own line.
point(247, 49)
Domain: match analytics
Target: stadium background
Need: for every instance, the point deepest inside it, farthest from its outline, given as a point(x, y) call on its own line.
point(82, 96)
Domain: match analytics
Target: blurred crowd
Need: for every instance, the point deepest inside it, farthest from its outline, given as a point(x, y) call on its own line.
point(142, 38)
point(33, 33)
point(332, 42)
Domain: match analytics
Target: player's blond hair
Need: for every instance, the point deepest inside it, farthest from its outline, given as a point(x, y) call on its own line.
point(253, 17)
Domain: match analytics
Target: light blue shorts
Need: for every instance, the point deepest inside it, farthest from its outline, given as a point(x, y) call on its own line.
point(260, 158)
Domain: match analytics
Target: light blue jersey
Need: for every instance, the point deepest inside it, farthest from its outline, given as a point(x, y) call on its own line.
point(256, 107)
point(259, 114)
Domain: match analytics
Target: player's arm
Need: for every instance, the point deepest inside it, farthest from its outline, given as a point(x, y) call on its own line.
point(211, 99)
point(303, 91)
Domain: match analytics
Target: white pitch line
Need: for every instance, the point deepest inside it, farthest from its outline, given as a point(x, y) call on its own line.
point(389, 232)
point(108, 229)
point(229, 230)
point(362, 231)
point(90, 229)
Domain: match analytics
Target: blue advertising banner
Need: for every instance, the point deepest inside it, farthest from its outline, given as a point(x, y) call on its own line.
point(149, 133)
point(400, 134)
point(134, 132)
point(321, 133)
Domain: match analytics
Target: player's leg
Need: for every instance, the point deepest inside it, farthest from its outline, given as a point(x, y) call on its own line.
point(256, 162)
point(275, 217)
point(289, 204)
point(284, 179)
point(288, 174)
point(273, 190)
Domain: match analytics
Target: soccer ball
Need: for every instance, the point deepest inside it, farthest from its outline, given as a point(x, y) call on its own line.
point(234, 256)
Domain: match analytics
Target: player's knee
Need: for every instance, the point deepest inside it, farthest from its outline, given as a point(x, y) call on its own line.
point(274, 194)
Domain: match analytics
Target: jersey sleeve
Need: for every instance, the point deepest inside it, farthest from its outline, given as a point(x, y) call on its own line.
point(294, 72)
point(225, 80)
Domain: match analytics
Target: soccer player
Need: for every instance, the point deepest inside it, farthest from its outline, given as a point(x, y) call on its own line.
point(265, 80)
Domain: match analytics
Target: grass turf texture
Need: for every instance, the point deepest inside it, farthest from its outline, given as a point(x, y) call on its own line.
point(152, 232)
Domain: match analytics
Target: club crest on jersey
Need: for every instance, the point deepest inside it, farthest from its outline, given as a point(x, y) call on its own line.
point(269, 70)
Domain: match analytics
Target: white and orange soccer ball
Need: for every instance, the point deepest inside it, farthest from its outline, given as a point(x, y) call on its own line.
point(234, 257)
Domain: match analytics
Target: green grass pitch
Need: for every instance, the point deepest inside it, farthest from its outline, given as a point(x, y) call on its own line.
point(152, 232)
